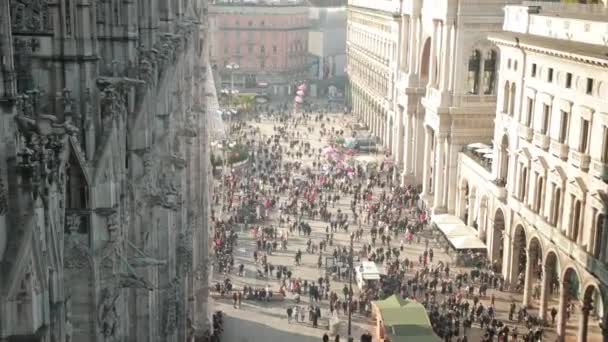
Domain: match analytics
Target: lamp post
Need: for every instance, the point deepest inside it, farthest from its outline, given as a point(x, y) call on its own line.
point(350, 284)
point(232, 67)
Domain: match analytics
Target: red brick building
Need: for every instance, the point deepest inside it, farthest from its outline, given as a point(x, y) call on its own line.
point(268, 41)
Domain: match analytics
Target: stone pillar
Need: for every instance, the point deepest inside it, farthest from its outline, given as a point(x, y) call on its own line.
point(418, 153)
point(583, 322)
point(527, 280)
point(426, 172)
point(445, 55)
point(471, 208)
point(432, 59)
point(400, 138)
point(408, 147)
point(544, 292)
point(439, 170)
point(561, 313)
point(452, 180)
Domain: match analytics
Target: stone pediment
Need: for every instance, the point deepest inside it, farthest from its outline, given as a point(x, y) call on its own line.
point(540, 165)
point(26, 278)
point(82, 163)
point(524, 154)
point(557, 175)
point(599, 200)
point(577, 187)
point(103, 162)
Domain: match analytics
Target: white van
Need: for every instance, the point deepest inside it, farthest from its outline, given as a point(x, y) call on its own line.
point(368, 273)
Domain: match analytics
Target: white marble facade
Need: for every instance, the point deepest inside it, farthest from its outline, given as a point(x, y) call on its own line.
point(103, 170)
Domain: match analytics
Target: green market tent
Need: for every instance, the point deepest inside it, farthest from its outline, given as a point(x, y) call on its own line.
point(402, 320)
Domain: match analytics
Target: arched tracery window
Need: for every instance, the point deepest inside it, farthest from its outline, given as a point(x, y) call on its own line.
point(473, 75)
point(489, 73)
point(505, 98)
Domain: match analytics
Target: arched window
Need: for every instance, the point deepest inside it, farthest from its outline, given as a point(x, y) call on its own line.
point(489, 72)
point(557, 200)
point(599, 235)
point(539, 195)
point(524, 183)
point(576, 219)
point(473, 76)
point(512, 99)
point(505, 98)
point(504, 160)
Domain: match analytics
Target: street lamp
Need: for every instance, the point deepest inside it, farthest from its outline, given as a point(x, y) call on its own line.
point(350, 284)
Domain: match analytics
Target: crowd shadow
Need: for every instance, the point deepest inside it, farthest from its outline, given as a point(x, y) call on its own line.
point(241, 330)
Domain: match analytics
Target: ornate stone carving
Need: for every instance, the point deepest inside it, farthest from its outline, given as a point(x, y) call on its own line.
point(3, 200)
point(77, 254)
point(113, 227)
point(133, 281)
point(146, 262)
point(173, 307)
point(30, 16)
point(26, 46)
point(185, 253)
point(107, 315)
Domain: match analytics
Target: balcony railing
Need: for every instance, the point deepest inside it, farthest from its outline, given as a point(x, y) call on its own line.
point(580, 160)
point(599, 170)
point(559, 150)
point(525, 132)
point(541, 140)
point(484, 162)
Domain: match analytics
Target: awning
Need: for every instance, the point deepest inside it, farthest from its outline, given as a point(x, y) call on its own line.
point(467, 242)
point(458, 234)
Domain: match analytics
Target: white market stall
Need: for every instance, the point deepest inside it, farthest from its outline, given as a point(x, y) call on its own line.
point(457, 232)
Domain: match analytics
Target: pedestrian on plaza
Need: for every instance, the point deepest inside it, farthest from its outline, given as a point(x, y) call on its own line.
point(289, 313)
point(337, 339)
point(553, 314)
point(240, 298)
point(325, 338)
point(234, 299)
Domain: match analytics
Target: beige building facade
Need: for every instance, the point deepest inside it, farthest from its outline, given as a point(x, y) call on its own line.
point(371, 50)
point(540, 204)
point(527, 85)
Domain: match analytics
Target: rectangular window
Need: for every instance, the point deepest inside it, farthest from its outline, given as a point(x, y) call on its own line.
point(274, 49)
point(584, 143)
point(530, 112)
point(589, 90)
point(546, 118)
point(533, 70)
point(262, 49)
point(550, 75)
point(605, 145)
point(563, 128)
point(569, 80)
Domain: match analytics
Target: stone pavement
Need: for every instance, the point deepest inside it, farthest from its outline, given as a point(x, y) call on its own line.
point(258, 321)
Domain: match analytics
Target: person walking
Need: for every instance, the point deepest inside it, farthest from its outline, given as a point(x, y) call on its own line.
point(289, 313)
point(325, 338)
point(337, 339)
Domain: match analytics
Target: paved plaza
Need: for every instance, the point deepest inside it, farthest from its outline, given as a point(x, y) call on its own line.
point(267, 321)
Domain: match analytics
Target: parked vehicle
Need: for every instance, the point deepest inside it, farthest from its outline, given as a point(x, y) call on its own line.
point(365, 144)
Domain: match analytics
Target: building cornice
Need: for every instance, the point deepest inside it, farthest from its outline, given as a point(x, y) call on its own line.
point(575, 51)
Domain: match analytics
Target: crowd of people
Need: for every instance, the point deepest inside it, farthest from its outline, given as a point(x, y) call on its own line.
point(289, 184)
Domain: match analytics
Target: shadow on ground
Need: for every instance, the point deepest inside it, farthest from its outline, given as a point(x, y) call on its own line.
point(240, 330)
